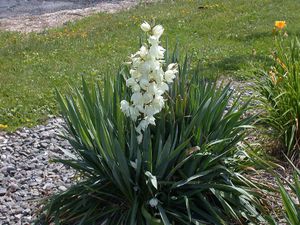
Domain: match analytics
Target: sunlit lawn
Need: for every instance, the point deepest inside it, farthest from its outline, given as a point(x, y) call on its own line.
point(227, 37)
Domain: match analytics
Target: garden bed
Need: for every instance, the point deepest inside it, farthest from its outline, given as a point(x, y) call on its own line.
point(27, 175)
point(157, 141)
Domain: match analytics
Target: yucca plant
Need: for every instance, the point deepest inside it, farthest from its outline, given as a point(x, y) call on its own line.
point(280, 92)
point(185, 170)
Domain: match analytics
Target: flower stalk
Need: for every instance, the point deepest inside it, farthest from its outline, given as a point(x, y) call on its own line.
point(148, 81)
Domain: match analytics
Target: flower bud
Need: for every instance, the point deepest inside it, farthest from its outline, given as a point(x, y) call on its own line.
point(158, 31)
point(153, 202)
point(145, 26)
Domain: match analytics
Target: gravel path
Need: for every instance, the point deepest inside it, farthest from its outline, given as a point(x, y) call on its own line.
point(38, 15)
point(26, 175)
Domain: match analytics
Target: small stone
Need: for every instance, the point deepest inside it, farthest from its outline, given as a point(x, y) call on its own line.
point(26, 212)
point(44, 145)
point(18, 176)
point(55, 170)
point(13, 187)
point(22, 193)
point(2, 191)
point(11, 170)
point(51, 147)
point(39, 180)
point(46, 134)
point(28, 218)
point(48, 186)
point(32, 166)
point(18, 216)
point(62, 188)
point(33, 183)
point(35, 193)
point(24, 186)
point(10, 149)
point(23, 135)
point(24, 167)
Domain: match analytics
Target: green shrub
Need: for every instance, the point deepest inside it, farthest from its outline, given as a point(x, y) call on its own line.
point(185, 170)
point(280, 92)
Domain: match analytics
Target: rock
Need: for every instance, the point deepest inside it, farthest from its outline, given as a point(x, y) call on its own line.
point(39, 180)
point(11, 170)
point(55, 170)
point(44, 144)
point(62, 188)
point(48, 186)
point(28, 218)
point(35, 193)
point(18, 216)
point(13, 187)
point(26, 212)
point(2, 191)
point(3, 140)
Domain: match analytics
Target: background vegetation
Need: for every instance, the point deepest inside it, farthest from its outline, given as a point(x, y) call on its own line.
point(226, 36)
point(279, 90)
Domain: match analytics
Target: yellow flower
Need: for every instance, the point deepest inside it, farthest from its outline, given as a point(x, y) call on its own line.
point(281, 64)
point(273, 77)
point(280, 24)
point(2, 126)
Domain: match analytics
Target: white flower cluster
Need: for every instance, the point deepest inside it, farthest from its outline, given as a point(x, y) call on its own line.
point(148, 80)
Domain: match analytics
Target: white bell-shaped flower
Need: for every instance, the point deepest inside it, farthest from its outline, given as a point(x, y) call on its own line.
point(134, 113)
point(143, 52)
point(148, 81)
point(158, 31)
point(125, 107)
point(144, 83)
point(145, 26)
point(169, 76)
point(137, 98)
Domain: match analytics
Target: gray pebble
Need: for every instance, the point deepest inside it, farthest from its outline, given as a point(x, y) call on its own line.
point(13, 187)
point(48, 186)
point(62, 188)
point(2, 191)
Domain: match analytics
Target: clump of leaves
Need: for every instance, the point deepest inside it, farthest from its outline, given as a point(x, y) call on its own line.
point(183, 172)
point(279, 89)
point(290, 198)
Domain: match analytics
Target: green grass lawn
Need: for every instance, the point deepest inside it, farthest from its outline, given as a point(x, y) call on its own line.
point(228, 37)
